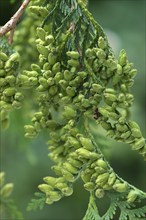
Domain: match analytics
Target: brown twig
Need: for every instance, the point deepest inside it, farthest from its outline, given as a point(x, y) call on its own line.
point(10, 38)
point(72, 24)
point(11, 24)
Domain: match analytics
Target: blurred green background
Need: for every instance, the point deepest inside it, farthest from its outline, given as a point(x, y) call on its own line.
point(26, 162)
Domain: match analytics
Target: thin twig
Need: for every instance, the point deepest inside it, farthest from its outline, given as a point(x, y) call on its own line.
point(10, 38)
point(11, 24)
point(72, 24)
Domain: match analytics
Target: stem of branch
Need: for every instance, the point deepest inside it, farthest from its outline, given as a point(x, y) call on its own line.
point(11, 24)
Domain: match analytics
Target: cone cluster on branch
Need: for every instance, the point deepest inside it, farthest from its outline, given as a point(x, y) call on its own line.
point(72, 85)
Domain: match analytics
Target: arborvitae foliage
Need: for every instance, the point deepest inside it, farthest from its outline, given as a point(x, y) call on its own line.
point(76, 79)
point(8, 209)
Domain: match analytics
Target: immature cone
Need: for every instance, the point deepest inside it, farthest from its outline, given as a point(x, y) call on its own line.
point(120, 187)
point(99, 193)
point(2, 178)
point(6, 190)
point(132, 196)
point(102, 179)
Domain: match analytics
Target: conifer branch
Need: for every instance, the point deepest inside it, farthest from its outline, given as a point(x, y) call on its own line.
point(76, 78)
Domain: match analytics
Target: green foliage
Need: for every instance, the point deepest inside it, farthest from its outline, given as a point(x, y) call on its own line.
point(11, 210)
point(76, 79)
point(127, 210)
point(37, 203)
point(72, 15)
point(92, 212)
point(8, 208)
point(118, 203)
point(5, 47)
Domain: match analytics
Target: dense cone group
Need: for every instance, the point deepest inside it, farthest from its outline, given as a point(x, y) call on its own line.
point(10, 97)
point(72, 86)
point(75, 89)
